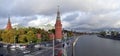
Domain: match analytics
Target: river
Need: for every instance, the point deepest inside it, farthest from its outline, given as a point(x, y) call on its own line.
point(91, 45)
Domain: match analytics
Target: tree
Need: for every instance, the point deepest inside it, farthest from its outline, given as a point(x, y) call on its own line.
point(1, 31)
point(8, 36)
point(102, 33)
point(31, 37)
point(24, 35)
point(22, 39)
point(52, 31)
point(45, 36)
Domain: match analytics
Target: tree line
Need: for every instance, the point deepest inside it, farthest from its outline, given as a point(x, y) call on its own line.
point(27, 35)
point(23, 35)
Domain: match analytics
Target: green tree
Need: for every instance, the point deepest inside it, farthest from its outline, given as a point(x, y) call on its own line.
point(102, 33)
point(52, 31)
point(22, 39)
point(31, 37)
point(1, 31)
point(45, 36)
point(8, 36)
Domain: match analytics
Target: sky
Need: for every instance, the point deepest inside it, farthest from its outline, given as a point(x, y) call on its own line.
point(79, 15)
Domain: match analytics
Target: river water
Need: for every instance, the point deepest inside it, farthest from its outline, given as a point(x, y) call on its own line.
point(91, 45)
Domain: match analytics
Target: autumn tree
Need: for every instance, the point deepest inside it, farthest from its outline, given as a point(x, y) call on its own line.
point(31, 37)
point(1, 31)
point(8, 36)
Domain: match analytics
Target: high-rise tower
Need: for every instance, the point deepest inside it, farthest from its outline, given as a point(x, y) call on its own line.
point(8, 27)
point(58, 26)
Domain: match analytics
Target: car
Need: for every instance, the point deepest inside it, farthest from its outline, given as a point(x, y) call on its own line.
point(37, 46)
point(1, 45)
point(26, 51)
point(5, 45)
point(42, 45)
point(22, 47)
point(28, 55)
point(18, 45)
point(13, 46)
point(12, 49)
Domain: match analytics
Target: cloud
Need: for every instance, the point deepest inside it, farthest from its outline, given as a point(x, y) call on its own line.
point(41, 20)
point(76, 14)
point(95, 5)
point(31, 7)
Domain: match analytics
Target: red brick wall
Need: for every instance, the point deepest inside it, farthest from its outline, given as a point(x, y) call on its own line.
point(38, 35)
point(58, 30)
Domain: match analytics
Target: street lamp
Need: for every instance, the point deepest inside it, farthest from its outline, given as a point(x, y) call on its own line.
point(72, 49)
point(73, 44)
point(53, 45)
point(64, 43)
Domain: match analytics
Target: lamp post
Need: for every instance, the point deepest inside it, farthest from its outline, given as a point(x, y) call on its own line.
point(72, 49)
point(14, 40)
point(65, 43)
point(53, 45)
point(73, 53)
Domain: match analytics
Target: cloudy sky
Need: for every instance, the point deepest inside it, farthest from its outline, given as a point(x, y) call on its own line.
point(82, 15)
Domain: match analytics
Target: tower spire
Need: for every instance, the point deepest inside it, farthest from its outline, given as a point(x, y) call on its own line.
point(58, 13)
point(58, 26)
point(8, 24)
point(9, 20)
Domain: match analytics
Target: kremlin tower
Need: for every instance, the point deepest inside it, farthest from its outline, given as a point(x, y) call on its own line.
point(58, 26)
point(8, 27)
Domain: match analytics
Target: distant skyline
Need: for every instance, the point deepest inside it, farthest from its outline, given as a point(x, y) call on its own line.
point(82, 15)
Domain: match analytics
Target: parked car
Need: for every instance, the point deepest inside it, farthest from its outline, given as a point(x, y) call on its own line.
point(1, 45)
point(22, 47)
point(26, 51)
point(37, 46)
